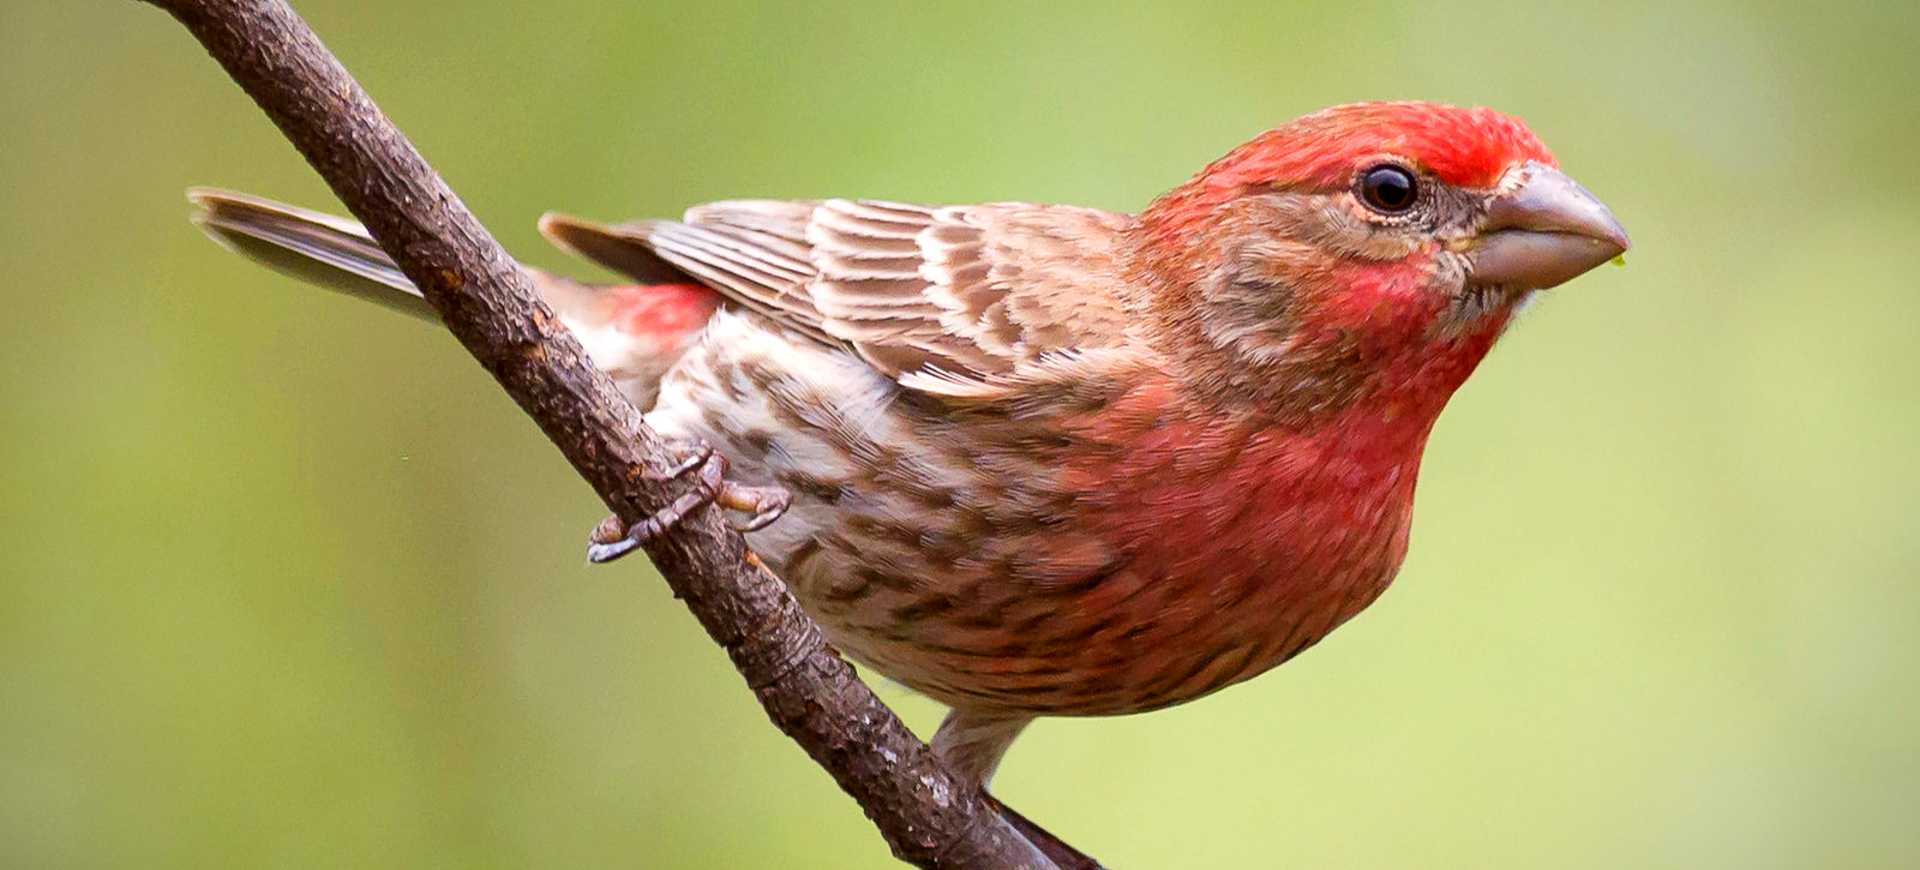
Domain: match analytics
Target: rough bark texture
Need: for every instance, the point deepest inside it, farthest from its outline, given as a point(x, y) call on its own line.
point(929, 818)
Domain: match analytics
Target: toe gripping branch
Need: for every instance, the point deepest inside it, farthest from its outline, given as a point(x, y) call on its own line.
point(613, 538)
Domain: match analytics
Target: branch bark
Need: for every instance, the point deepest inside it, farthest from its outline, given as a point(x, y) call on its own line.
point(928, 817)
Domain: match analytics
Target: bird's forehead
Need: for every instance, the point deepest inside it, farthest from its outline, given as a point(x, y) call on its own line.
point(1466, 147)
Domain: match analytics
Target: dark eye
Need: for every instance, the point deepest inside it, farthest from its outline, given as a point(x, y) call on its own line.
point(1388, 189)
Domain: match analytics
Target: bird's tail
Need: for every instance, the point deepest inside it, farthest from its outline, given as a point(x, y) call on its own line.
point(633, 331)
point(332, 252)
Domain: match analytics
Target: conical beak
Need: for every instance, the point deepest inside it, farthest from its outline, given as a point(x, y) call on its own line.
point(1542, 229)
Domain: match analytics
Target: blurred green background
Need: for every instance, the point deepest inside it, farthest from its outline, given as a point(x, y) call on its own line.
point(286, 582)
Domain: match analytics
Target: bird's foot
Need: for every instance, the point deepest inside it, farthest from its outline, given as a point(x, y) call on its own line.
point(613, 538)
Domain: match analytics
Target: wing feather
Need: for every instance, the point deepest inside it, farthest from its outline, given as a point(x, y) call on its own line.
point(964, 302)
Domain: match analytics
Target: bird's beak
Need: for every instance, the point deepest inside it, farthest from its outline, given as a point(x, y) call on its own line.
point(1542, 230)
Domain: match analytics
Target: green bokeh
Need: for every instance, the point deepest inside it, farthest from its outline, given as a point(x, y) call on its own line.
point(286, 582)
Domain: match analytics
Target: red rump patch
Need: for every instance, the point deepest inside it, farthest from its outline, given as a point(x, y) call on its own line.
point(662, 311)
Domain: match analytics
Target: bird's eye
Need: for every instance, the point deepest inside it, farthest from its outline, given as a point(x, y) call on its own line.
point(1388, 189)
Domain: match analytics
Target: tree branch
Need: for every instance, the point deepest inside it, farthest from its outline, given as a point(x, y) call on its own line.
point(927, 816)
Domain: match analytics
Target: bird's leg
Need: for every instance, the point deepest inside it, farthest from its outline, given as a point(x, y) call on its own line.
point(971, 744)
point(613, 538)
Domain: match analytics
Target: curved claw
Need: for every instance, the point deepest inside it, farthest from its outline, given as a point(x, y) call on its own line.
point(697, 453)
point(609, 541)
point(599, 553)
point(766, 503)
point(765, 516)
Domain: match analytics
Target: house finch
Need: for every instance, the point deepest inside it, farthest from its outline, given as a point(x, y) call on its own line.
point(1047, 460)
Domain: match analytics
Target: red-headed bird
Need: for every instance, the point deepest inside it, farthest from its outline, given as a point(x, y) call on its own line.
point(1046, 460)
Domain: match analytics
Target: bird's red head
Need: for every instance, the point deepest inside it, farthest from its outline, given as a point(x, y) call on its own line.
point(1365, 240)
point(1322, 151)
point(1466, 147)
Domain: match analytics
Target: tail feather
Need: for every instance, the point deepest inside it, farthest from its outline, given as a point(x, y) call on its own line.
point(318, 248)
point(633, 331)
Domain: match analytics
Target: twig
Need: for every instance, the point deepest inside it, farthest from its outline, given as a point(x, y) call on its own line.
point(928, 817)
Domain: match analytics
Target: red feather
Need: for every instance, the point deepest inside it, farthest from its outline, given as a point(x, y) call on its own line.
point(1465, 147)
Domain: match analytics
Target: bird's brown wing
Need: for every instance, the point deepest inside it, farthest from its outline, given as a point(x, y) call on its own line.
point(957, 301)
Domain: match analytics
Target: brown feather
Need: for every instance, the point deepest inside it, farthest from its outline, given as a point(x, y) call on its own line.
point(958, 301)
